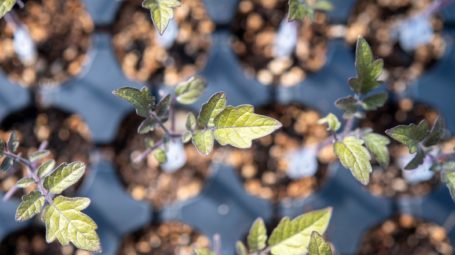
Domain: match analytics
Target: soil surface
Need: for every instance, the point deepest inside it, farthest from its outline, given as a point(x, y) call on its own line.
point(164, 239)
point(67, 135)
point(390, 182)
point(61, 32)
point(264, 167)
point(406, 235)
point(375, 20)
point(146, 180)
point(255, 28)
point(141, 55)
point(32, 241)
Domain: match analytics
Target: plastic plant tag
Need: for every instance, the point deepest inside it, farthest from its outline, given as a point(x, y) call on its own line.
point(24, 46)
point(414, 32)
point(302, 163)
point(420, 174)
point(167, 39)
point(176, 157)
point(285, 39)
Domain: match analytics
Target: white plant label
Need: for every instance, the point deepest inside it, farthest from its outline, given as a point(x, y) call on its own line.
point(414, 32)
point(285, 39)
point(24, 46)
point(167, 39)
point(420, 174)
point(176, 157)
point(302, 163)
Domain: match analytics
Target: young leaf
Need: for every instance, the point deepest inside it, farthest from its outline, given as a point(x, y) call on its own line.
point(298, 10)
point(238, 126)
point(355, 157)
point(292, 237)
point(323, 5)
point(417, 160)
point(410, 135)
point(377, 145)
point(211, 109)
point(189, 91)
point(449, 178)
point(13, 143)
point(46, 168)
point(190, 122)
point(240, 248)
point(333, 124)
point(348, 105)
point(64, 176)
point(162, 108)
point(162, 11)
point(6, 164)
point(147, 125)
point(186, 137)
point(38, 155)
point(204, 251)
point(30, 206)
point(160, 155)
point(142, 99)
point(203, 140)
point(24, 182)
point(65, 222)
point(375, 101)
point(6, 6)
point(437, 134)
point(368, 70)
point(258, 236)
point(318, 246)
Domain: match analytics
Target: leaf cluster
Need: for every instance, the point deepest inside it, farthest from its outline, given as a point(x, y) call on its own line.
point(299, 9)
point(62, 215)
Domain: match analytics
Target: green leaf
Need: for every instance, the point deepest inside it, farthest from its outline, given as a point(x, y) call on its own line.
point(65, 222)
point(2, 147)
point(437, 134)
point(6, 164)
point(410, 135)
point(240, 248)
point(142, 99)
point(38, 155)
point(162, 11)
point(318, 246)
point(162, 108)
point(323, 5)
point(191, 122)
point(355, 157)
point(146, 126)
point(25, 182)
point(238, 126)
point(292, 237)
point(375, 101)
point(257, 236)
point(30, 206)
point(203, 140)
point(189, 91)
point(377, 145)
point(299, 10)
point(186, 137)
point(211, 109)
point(449, 178)
point(204, 251)
point(64, 176)
point(6, 6)
point(46, 168)
point(417, 160)
point(333, 124)
point(348, 105)
point(368, 70)
point(13, 142)
point(160, 155)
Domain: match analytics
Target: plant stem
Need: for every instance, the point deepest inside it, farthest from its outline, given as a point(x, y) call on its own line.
point(148, 151)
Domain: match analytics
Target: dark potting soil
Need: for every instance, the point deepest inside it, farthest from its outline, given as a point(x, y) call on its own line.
point(141, 55)
point(406, 235)
point(390, 182)
point(254, 30)
point(146, 180)
point(167, 238)
point(264, 167)
point(61, 32)
point(32, 241)
point(67, 135)
point(374, 19)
